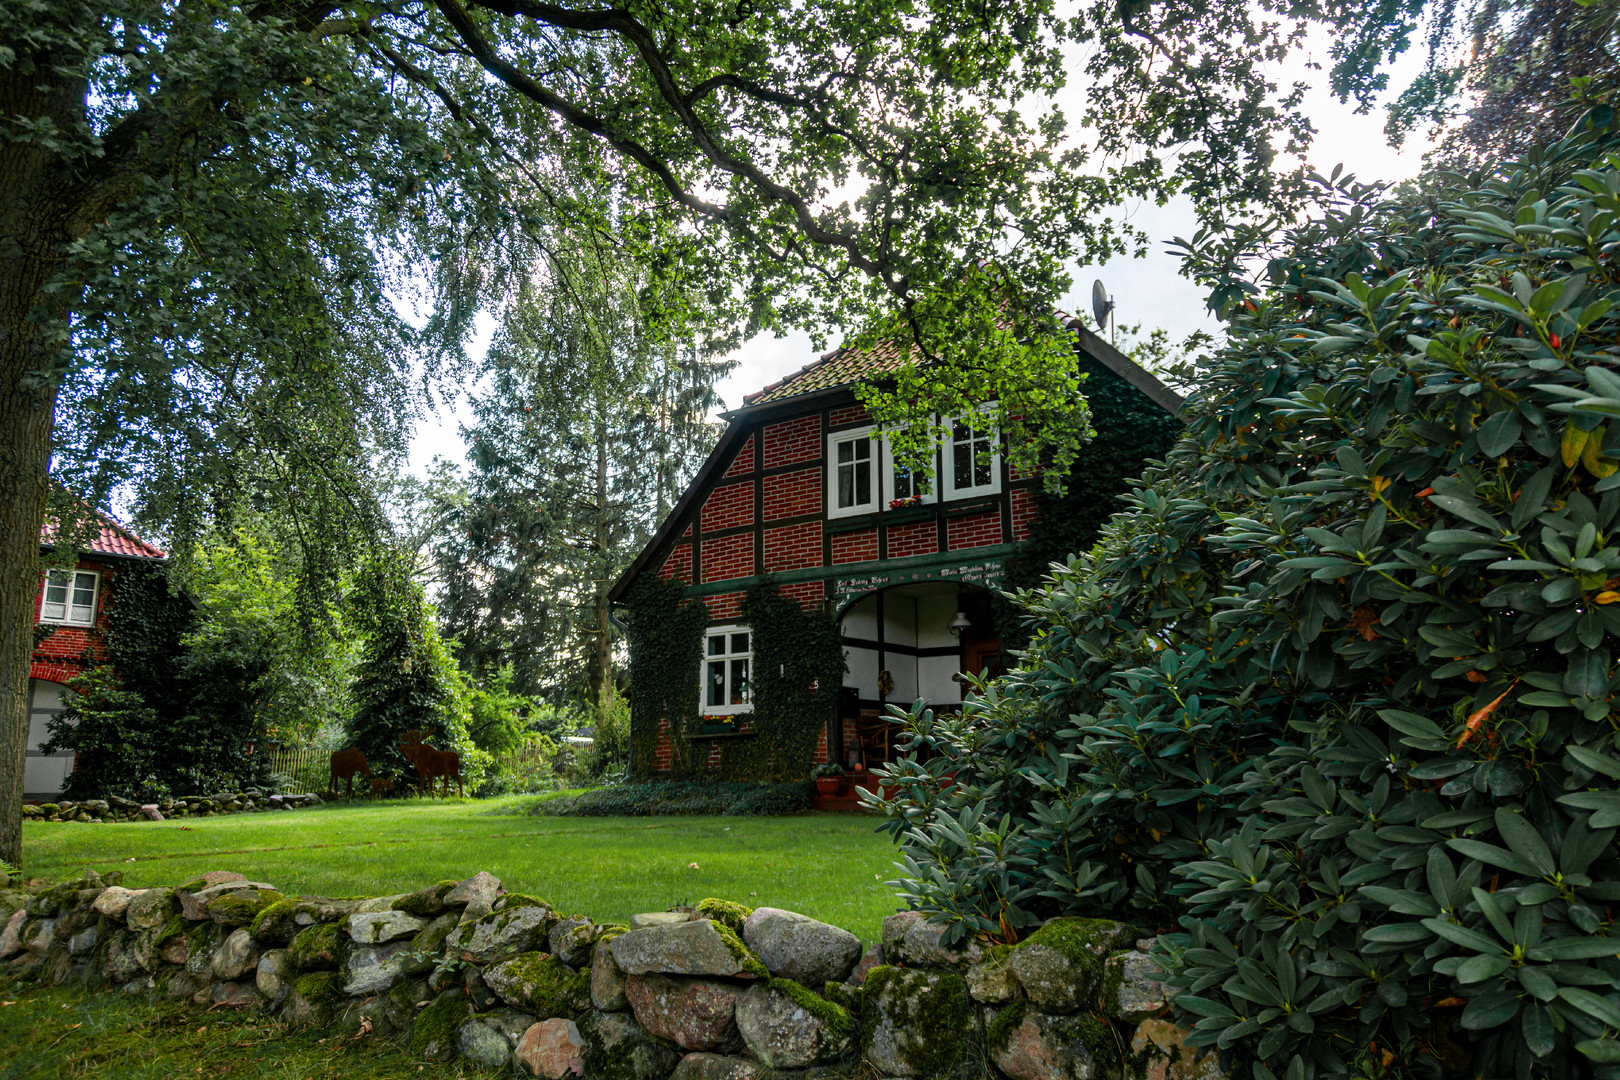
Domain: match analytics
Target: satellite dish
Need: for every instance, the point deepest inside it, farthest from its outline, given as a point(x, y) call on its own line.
point(1101, 306)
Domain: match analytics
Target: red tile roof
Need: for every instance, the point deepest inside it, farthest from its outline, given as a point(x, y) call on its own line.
point(113, 539)
point(837, 368)
point(844, 366)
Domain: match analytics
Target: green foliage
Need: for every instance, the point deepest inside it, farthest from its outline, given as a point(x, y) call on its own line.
point(678, 797)
point(798, 663)
point(497, 719)
point(148, 622)
point(990, 348)
point(254, 659)
point(525, 769)
point(406, 679)
point(591, 414)
point(797, 669)
point(1132, 431)
point(1333, 706)
point(665, 636)
point(118, 741)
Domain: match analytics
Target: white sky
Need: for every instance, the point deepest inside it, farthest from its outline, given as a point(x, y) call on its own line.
point(1149, 291)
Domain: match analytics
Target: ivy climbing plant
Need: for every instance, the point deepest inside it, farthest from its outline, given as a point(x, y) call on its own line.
point(798, 665)
point(665, 636)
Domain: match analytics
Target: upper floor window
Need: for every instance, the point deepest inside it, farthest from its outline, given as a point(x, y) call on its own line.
point(852, 486)
point(70, 597)
point(906, 486)
point(727, 654)
point(972, 464)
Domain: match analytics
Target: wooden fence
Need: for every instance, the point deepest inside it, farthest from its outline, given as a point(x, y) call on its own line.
point(301, 768)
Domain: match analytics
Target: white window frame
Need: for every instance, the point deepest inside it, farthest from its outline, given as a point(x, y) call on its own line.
point(66, 618)
point(947, 468)
point(725, 658)
point(889, 469)
point(874, 462)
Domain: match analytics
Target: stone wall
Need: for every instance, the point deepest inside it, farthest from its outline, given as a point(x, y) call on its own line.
point(465, 970)
point(116, 808)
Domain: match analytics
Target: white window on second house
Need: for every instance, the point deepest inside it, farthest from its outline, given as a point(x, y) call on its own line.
point(905, 485)
point(972, 465)
point(727, 653)
point(852, 486)
point(70, 597)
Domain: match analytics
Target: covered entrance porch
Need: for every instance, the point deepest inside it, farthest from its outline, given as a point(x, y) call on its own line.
point(902, 643)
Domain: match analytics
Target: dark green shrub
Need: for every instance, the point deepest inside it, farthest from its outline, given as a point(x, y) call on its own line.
point(666, 797)
point(114, 736)
point(1334, 707)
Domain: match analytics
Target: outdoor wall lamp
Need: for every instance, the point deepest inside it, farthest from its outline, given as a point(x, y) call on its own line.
point(960, 625)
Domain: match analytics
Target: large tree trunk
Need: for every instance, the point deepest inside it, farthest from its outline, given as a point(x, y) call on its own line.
point(35, 229)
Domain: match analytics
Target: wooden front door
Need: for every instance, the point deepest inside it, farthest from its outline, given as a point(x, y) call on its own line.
point(982, 656)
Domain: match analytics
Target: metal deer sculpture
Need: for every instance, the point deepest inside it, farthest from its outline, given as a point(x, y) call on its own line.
point(346, 765)
point(430, 763)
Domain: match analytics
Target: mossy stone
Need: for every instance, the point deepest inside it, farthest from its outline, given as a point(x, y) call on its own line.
point(399, 1004)
point(538, 983)
point(239, 907)
point(318, 948)
point(751, 964)
point(274, 924)
point(425, 903)
point(313, 999)
point(916, 1023)
point(519, 900)
point(170, 930)
point(49, 904)
point(435, 1030)
point(725, 912)
point(1060, 966)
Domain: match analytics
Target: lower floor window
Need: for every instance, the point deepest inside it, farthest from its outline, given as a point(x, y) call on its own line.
point(725, 670)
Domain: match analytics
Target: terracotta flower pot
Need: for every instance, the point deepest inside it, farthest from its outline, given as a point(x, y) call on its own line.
point(827, 786)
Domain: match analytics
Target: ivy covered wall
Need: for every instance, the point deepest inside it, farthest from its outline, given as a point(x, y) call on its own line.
point(798, 666)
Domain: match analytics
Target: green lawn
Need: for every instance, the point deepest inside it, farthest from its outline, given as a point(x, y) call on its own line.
point(829, 866)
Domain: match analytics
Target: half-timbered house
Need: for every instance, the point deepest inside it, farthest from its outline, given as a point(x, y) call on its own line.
point(799, 489)
point(71, 638)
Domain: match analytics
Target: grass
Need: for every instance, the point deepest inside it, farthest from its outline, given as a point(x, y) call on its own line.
point(828, 866)
point(46, 1033)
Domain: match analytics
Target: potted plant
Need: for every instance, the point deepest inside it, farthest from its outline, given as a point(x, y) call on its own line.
point(717, 725)
point(829, 778)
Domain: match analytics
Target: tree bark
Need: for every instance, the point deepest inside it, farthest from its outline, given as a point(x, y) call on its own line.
point(36, 227)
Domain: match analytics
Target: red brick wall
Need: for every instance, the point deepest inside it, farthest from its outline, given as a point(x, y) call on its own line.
point(793, 440)
point(728, 507)
point(919, 539)
point(807, 593)
point(744, 461)
point(1023, 512)
point(855, 547)
point(849, 414)
point(728, 557)
point(663, 750)
point(980, 530)
point(725, 607)
point(678, 565)
point(792, 494)
point(793, 547)
point(62, 655)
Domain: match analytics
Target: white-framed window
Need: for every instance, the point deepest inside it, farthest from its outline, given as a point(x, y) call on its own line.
point(972, 460)
point(728, 654)
point(903, 485)
point(70, 597)
point(852, 473)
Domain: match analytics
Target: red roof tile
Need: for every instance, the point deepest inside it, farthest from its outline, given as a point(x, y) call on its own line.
point(844, 366)
point(113, 539)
